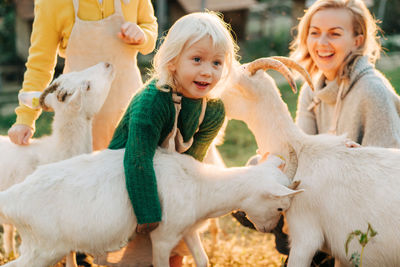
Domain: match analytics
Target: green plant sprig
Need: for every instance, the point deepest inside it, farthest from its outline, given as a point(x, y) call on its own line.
point(363, 239)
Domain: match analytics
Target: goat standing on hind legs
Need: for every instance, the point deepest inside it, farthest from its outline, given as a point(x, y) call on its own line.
point(75, 98)
point(345, 188)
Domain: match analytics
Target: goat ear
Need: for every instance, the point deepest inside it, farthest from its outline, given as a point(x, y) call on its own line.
point(281, 191)
point(77, 95)
point(75, 99)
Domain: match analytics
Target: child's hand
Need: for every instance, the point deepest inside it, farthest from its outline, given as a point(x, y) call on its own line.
point(146, 227)
point(20, 134)
point(131, 33)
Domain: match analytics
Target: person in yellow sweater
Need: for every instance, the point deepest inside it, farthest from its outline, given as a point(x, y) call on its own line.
point(86, 32)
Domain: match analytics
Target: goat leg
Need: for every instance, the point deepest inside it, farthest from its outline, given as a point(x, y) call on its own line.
point(9, 242)
point(162, 244)
point(303, 248)
point(192, 240)
point(71, 260)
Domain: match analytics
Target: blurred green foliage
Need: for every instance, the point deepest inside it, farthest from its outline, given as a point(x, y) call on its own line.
point(390, 15)
point(7, 33)
point(391, 43)
point(43, 124)
point(268, 30)
point(264, 47)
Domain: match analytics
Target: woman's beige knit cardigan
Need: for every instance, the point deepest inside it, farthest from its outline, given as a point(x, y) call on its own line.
point(369, 112)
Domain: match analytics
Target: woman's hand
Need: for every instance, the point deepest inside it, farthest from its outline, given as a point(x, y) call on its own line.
point(20, 134)
point(131, 33)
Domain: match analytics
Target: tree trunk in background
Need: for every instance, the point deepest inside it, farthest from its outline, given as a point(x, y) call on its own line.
point(298, 10)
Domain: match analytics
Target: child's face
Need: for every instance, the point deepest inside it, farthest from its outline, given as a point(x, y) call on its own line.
point(330, 39)
point(198, 68)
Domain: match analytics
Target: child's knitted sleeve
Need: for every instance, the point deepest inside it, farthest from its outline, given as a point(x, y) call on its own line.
point(208, 130)
point(147, 119)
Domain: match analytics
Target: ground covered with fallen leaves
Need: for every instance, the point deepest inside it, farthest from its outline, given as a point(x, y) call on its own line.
point(239, 246)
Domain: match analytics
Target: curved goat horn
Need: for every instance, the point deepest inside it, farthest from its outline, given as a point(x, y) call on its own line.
point(290, 63)
point(47, 91)
point(270, 63)
point(292, 163)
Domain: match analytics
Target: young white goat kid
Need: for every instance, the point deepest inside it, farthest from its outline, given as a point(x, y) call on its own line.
point(345, 188)
point(90, 210)
point(75, 98)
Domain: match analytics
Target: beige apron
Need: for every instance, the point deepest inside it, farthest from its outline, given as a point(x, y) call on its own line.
point(91, 42)
point(174, 141)
point(138, 252)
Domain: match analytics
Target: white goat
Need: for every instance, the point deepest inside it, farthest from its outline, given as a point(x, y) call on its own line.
point(346, 188)
point(82, 204)
point(75, 98)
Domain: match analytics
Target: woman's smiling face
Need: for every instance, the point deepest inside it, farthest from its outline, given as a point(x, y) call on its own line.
point(330, 39)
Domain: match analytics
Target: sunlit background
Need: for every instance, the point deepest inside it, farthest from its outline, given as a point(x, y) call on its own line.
point(262, 28)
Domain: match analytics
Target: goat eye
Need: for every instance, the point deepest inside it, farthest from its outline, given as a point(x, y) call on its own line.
point(280, 209)
point(62, 95)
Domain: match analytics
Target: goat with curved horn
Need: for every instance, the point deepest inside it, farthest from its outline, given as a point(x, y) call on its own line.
point(266, 63)
point(290, 63)
point(282, 67)
point(313, 216)
point(282, 64)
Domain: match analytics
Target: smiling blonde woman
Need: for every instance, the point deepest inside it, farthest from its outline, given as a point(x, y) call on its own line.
point(337, 42)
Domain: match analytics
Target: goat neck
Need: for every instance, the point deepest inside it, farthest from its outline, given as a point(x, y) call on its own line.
point(274, 129)
point(72, 134)
point(230, 187)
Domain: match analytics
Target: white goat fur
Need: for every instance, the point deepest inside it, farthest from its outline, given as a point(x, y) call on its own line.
point(98, 216)
point(85, 93)
point(345, 188)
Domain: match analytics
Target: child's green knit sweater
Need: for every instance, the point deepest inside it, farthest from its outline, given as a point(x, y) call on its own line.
point(146, 123)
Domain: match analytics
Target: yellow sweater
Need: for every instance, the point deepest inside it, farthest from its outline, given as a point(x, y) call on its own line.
point(52, 27)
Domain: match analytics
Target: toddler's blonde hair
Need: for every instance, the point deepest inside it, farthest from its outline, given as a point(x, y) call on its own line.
point(188, 30)
point(363, 24)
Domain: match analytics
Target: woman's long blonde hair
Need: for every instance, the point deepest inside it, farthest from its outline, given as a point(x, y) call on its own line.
point(363, 24)
point(188, 30)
